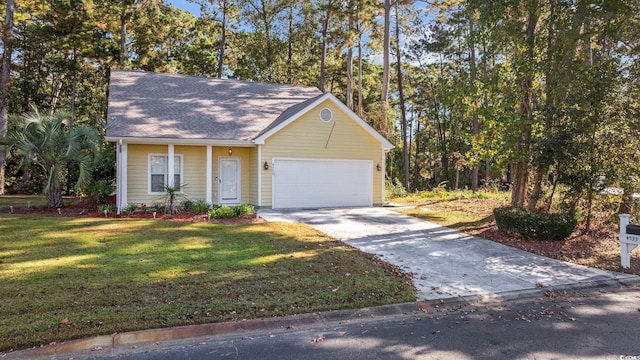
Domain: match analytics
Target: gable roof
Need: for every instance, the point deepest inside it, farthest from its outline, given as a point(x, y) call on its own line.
point(158, 107)
point(296, 111)
point(154, 105)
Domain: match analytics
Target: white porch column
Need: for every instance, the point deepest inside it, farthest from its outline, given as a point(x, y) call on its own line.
point(383, 167)
point(260, 170)
point(209, 179)
point(121, 182)
point(171, 166)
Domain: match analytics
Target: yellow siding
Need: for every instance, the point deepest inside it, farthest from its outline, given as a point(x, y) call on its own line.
point(309, 137)
point(194, 168)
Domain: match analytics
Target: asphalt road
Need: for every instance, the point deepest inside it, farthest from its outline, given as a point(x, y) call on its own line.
point(594, 324)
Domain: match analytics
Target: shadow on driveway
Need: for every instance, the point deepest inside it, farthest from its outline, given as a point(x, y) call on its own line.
point(444, 262)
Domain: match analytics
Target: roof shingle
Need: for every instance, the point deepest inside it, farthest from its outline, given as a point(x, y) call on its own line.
point(154, 105)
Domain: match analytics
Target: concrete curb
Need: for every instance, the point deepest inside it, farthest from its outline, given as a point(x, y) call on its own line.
point(110, 344)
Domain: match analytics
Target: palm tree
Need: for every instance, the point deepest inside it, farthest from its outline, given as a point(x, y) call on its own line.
point(49, 143)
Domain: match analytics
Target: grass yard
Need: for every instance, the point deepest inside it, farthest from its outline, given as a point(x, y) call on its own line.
point(460, 210)
point(21, 201)
point(72, 277)
point(30, 203)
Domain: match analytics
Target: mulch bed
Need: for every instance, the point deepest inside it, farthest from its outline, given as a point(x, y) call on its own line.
point(78, 208)
point(597, 248)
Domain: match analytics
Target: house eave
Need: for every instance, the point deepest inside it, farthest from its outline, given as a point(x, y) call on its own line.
point(177, 141)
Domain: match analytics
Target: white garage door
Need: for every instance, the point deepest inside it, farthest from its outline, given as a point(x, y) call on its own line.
point(312, 183)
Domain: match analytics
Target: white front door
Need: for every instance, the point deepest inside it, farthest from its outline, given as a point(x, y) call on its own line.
point(229, 180)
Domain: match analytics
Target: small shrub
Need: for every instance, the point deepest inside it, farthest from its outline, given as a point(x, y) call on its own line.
point(96, 192)
point(187, 205)
point(222, 212)
point(131, 208)
point(243, 209)
point(158, 207)
point(201, 207)
point(195, 206)
point(105, 207)
point(395, 190)
point(512, 220)
point(143, 207)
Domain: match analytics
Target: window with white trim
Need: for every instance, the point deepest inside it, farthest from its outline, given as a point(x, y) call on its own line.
point(159, 172)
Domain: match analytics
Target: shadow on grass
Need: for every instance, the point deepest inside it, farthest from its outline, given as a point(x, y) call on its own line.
point(472, 225)
point(66, 278)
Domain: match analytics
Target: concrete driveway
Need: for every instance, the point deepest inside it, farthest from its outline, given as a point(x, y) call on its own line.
point(445, 263)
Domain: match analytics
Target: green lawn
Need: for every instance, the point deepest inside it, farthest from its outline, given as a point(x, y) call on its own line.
point(65, 278)
point(27, 201)
point(22, 201)
point(461, 210)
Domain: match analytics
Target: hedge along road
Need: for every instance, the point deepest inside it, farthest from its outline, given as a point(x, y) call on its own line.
point(446, 263)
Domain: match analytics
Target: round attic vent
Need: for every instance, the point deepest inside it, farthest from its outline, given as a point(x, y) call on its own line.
point(326, 114)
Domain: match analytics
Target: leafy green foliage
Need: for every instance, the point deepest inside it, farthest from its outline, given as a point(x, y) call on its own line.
point(227, 212)
point(539, 226)
point(222, 212)
point(158, 206)
point(170, 198)
point(106, 208)
point(195, 206)
point(96, 192)
point(187, 205)
point(394, 190)
point(243, 209)
point(131, 208)
point(48, 143)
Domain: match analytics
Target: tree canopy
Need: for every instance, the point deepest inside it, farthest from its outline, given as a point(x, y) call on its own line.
point(539, 96)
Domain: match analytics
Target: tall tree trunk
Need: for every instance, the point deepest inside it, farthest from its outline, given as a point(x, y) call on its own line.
point(290, 48)
point(474, 117)
point(403, 111)
point(349, 100)
point(360, 95)
point(5, 84)
point(123, 33)
point(487, 173)
point(537, 189)
point(383, 125)
point(416, 166)
point(56, 88)
point(323, 56)
point(54, 193)
point(384, 93)
point(551, 99)
point(223, 39)
point(26, 176)
point(74, 88)
point(521, 165)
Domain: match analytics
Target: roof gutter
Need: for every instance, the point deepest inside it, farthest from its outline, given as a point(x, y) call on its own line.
point(176, 141)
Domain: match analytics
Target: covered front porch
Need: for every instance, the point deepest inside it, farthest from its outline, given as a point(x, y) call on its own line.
point(218, 173)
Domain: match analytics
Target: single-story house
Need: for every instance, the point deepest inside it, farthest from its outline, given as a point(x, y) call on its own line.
point(231, 142)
